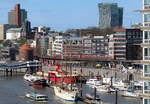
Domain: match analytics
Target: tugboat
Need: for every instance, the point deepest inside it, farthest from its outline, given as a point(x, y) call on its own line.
point(37, 97)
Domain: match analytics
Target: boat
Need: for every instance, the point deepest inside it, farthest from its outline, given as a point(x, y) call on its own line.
point(40, 83)
point(60, 75)
point(131, 93)
point(31, 78)
point(91, 97)
point(66, 95)
point(112, 89)
point(93, 81)
point(37, 97)
point(119, 85)
point(101, 88)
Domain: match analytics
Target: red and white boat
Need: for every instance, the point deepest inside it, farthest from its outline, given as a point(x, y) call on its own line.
point(40, 83)
point(59, 76)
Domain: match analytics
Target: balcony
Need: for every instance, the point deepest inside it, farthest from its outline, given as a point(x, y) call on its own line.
point(146, 40)
point(146, 57)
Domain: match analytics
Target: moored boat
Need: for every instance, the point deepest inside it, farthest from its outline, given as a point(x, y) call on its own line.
point(38, 83)
point(37, 97)
point(93, 81)
point(66, 94)
point(30, 77)
point(131, 93)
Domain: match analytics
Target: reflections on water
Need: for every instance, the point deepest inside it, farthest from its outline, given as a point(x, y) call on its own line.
point(13, 89)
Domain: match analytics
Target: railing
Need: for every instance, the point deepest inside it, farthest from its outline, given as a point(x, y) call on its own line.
point(146, 57)
point(146, 40)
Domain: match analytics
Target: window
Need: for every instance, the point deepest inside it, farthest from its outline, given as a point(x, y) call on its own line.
point(146, 17)
point(147, 69)
point(146, 2)
point(145, 52)
point(146, 34)
point(145, 101)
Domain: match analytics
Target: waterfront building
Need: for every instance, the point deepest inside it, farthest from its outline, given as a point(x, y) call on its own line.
point(110, 15)
point(58, 43)
point(17, 16)
point(146, 50)
point(73, 47)
point(117, 46)
point(96, 45)
point(81, 46)
point(133, 46)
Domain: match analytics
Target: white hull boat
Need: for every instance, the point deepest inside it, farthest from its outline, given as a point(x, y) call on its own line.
point(31, 78)
point(130, 93)
point(37, 97)
point(101, 88)
point(93, 81)
point(66, 95)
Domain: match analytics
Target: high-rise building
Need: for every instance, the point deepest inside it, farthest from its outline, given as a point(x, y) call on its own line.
point(17, 16)
point(146, 50)
point(23, 16)
point(11, 17)
point(110, 15)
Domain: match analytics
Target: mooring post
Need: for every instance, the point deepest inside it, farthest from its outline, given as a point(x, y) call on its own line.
point(111, 81)
point(116, 97)
point(55, 80)
point(94, 93)
point(7, 72)
point(81, 87)
point(10, 72)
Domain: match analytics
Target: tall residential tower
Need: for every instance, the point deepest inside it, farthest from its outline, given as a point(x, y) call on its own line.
point(110, 15)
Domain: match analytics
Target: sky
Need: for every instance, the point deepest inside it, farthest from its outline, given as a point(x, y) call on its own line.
point(69, 14)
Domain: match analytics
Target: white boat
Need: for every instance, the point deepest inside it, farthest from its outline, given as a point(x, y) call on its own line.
point(119, 85)
point(31, 78)
point(37, 97)
point(101, 88)
point(93, 81)
point(66, 95)
point(130, 93)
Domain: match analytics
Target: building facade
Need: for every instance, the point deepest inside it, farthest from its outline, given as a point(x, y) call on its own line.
point(3, 29)
point(117, 46)
point(110, 15)
point(81, 46)
point(146, 49)
point(14, 33)
point(17, 16)
point(133, 47)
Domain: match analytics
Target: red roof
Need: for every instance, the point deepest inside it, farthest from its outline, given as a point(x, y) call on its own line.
point(25, 47)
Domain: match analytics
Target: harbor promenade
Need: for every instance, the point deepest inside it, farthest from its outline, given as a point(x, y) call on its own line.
point(104, 72)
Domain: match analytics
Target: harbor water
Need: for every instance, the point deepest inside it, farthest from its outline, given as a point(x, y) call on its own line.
point(13, 89)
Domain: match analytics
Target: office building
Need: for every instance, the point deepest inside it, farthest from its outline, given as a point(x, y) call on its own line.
point(17, 16)
point(110, 15)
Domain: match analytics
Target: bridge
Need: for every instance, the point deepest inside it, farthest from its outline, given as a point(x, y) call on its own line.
point(10, 67)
